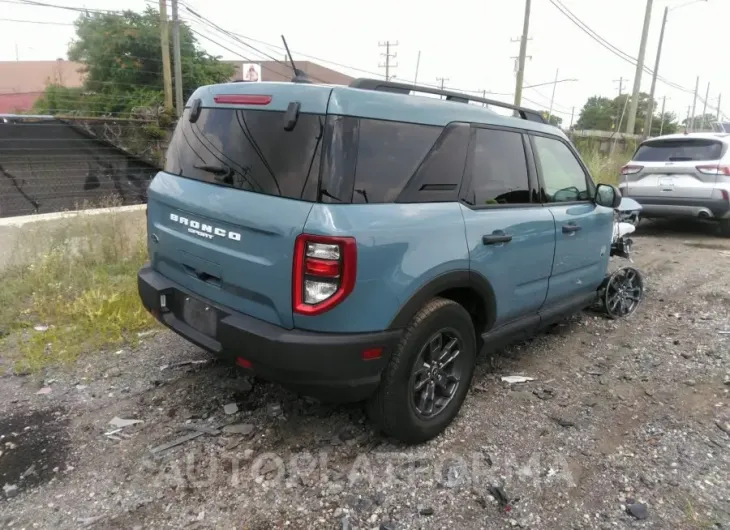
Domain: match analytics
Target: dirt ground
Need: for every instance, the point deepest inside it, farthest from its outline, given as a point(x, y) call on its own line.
point(632, 413)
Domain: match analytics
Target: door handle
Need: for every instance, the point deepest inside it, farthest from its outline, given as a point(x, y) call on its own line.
point(493, 239)
point(570, 228)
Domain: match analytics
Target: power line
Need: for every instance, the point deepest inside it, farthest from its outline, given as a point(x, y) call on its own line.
point(36, 22)
point(610, 47)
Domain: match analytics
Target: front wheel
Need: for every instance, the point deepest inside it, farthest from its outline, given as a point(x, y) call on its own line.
point(428, 376)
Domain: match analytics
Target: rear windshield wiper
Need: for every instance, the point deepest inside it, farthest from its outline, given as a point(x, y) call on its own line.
point(222, 174)
point(680, 158)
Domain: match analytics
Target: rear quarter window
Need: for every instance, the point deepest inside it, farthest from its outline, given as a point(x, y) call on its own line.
point(680, 150)
point(371, 161)
point(388, 155)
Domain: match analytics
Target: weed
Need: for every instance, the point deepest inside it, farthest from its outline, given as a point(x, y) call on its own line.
point(694, 519)
point(605, 168)
point(82, 285)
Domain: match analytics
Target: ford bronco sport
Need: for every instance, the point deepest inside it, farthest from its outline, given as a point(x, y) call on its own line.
point(363, 243)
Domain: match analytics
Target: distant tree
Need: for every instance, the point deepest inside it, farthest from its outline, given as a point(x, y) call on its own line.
point(598, 113)
point(606, 114)
point(122, 60)
point(552, 119)
point(706, 119)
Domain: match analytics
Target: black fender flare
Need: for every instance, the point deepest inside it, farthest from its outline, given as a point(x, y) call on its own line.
point(458, 279)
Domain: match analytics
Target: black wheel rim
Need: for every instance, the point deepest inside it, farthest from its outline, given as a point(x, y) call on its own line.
point(437, 373)
point(624, 292)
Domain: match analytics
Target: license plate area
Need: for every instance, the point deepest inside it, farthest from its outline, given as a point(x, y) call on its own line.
point(200, 316)
point(666, 183)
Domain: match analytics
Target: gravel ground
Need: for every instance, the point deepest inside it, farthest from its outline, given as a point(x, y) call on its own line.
point(626, 425)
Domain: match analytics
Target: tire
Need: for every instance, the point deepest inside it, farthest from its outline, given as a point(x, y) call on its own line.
point(724, 228)
point(393, 407)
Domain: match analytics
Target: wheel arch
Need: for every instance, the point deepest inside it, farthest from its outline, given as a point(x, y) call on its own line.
point(468, 288)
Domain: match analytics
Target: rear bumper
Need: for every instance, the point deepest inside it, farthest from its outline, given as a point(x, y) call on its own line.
point(683, 207)
point(325, 365)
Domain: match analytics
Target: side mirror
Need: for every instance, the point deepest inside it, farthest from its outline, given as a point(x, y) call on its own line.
point(607, 195)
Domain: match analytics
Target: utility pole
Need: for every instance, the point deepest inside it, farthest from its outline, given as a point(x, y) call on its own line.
point(620, 82)
point(631, 121)
point(523, 54)
point(388, 56)
point(179, 105)
point(719, 102)
point(661, 127)
point(650, 109)
point(418, 63)
point(484, 96)
point(441, 81)
point(572, 115)
point(704, 108)
point(694, 105)
point(165, 43)
point(552, 98)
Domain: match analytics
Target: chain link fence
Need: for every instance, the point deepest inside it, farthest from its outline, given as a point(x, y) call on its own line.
point(53, 165)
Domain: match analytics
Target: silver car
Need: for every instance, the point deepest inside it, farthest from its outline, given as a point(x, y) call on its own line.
point(681, 175)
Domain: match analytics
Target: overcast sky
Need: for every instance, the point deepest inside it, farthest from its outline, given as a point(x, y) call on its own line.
point(468, 42)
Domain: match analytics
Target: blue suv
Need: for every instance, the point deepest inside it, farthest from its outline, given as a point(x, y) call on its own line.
point(364, 242)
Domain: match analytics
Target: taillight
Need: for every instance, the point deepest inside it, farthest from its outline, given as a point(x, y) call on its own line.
point(714, 170)
point(242, 99)
point(324, 272)
point(630, 170)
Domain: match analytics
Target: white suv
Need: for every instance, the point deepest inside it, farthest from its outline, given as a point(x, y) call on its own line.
point(681, 175)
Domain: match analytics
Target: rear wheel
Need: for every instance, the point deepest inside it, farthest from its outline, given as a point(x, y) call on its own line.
point(429, 374)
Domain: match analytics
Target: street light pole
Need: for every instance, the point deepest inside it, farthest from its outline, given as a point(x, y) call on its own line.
point(631, 121)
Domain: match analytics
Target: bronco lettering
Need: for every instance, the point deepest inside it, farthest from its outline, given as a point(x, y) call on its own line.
point(204, 230)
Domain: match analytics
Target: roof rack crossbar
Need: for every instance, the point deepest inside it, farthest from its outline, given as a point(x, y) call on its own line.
point(459, 97)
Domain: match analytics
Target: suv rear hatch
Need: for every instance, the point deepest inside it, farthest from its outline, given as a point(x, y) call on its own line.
point(674, 167)
point(240, 178)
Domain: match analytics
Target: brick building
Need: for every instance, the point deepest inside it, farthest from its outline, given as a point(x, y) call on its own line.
point(23, 82)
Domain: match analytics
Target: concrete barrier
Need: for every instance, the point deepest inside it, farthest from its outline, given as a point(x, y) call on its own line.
point(24, 239)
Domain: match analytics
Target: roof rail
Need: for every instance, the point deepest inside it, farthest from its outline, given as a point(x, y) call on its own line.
point(459, 97)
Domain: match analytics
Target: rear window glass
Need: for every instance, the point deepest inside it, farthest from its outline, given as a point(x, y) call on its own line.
point(681, 150)
point(249, 150)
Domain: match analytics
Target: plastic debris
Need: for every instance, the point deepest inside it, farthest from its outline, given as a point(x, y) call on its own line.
point(201, 428)
point(120, 423)
point(184, 363)
point(40, 327)
point(44, 390)
point(512, 379)
point(239, 428)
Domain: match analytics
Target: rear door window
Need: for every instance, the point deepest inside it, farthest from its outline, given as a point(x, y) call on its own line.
point(679, 150)
point(498, 169)
point(249, 150)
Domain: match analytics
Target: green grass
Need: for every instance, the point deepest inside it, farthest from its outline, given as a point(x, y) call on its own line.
point(605, 168)
point(81, 283)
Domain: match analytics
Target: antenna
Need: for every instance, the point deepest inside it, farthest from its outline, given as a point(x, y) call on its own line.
point(299, 76)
